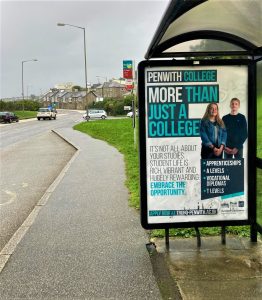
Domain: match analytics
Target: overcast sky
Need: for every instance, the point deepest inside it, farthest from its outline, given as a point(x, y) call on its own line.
point(115, 30)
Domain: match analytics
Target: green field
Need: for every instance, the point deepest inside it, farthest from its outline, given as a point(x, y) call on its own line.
point(25, 114)
point(120, 134)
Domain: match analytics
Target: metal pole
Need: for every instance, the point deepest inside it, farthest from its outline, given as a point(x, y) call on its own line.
point(23, 85)
point(64, 24)
point(198, 237)
point(223, 235)
point(167, 238)
point(85, 67)
point(23, 61)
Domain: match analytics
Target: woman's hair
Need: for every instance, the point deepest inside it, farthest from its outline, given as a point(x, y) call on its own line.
point(207, 114)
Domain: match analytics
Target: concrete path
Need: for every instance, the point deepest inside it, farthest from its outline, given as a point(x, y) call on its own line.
point(85, 243)
point(215, 271)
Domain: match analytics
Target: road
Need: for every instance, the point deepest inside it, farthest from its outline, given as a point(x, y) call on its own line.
point(25, 129)
point(32, 156)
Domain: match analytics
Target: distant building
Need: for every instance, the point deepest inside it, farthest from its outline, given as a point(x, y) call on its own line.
point(65, 96)
point(111, 89)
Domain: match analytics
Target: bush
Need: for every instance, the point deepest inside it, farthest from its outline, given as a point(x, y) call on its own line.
point(114, 107)
point(29, 105)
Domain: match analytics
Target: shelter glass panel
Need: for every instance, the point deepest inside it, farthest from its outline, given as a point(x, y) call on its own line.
point(239, 18)
point(203, 45)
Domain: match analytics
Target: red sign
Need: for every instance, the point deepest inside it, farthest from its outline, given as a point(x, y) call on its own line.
point(129, 84)
point(128, 73)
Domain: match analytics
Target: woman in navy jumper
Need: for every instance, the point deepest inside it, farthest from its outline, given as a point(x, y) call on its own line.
point(213, 133)
point(236, 126)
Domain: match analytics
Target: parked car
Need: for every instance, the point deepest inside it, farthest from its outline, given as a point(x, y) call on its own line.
point(8, 117)
point(46, 113)
point(130, 114)
point(95, 114)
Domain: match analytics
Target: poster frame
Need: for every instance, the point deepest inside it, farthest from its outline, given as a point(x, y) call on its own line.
point(251, 103)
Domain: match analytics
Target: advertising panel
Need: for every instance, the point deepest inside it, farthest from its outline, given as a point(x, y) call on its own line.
point(196, 140)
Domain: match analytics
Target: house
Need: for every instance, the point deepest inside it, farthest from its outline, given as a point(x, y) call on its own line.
point(81, 100)
point(77, 99)
point(111, 89)
point(93, 97)
point(45, 98)
point(60, 98)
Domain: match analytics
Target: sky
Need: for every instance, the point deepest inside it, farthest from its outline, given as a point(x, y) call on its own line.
point(115, 31)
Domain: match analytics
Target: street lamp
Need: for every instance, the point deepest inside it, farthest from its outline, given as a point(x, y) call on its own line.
point(24, 61)
point(63, 24)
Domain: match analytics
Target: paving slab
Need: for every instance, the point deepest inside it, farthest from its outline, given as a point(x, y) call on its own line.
point(215, 271)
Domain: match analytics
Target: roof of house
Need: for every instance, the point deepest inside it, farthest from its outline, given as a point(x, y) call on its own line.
point(96, 85)
point(113, 84)
point(62, 93)
point(78, 94)
point(92, 92)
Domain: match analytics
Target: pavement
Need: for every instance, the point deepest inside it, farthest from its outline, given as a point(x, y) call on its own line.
point(214, 271)
point(83, 241)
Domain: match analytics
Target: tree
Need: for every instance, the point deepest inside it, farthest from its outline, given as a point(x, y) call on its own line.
point(76, 88)
point(210, 45)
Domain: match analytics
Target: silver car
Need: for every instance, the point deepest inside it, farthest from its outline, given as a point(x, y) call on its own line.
point(95, 114)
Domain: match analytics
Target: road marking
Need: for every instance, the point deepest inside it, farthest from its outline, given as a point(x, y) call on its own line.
point(12, 198)
point(11, 245)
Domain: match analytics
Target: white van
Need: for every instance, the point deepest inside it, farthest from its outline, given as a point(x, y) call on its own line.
point(46, 113)
point(95, 114)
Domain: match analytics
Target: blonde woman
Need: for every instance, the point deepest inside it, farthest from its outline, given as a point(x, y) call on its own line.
point(213, 133)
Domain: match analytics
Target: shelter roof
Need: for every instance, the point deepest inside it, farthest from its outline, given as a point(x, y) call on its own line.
point(238, 22)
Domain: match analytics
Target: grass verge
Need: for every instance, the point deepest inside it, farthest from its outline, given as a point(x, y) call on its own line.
point(25, 114)
point(120, 134)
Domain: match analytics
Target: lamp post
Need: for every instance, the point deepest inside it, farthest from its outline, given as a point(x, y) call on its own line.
point(23, 95)
point(83, 28)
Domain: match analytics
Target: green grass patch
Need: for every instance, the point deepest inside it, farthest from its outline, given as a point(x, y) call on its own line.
point(259, 196)
point(25, 114)
point(120, 134)
point(243, 231)
point(259, 127)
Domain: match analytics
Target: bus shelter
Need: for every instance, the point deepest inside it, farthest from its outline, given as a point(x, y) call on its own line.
point(205, 55)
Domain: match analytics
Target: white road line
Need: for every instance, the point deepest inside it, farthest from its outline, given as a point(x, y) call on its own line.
point(12, 198)
point(10, 247)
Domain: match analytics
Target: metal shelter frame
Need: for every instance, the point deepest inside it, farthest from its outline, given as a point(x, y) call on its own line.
point(252, 52)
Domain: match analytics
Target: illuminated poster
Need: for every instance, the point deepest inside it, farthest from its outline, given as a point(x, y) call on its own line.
point(196, 143)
